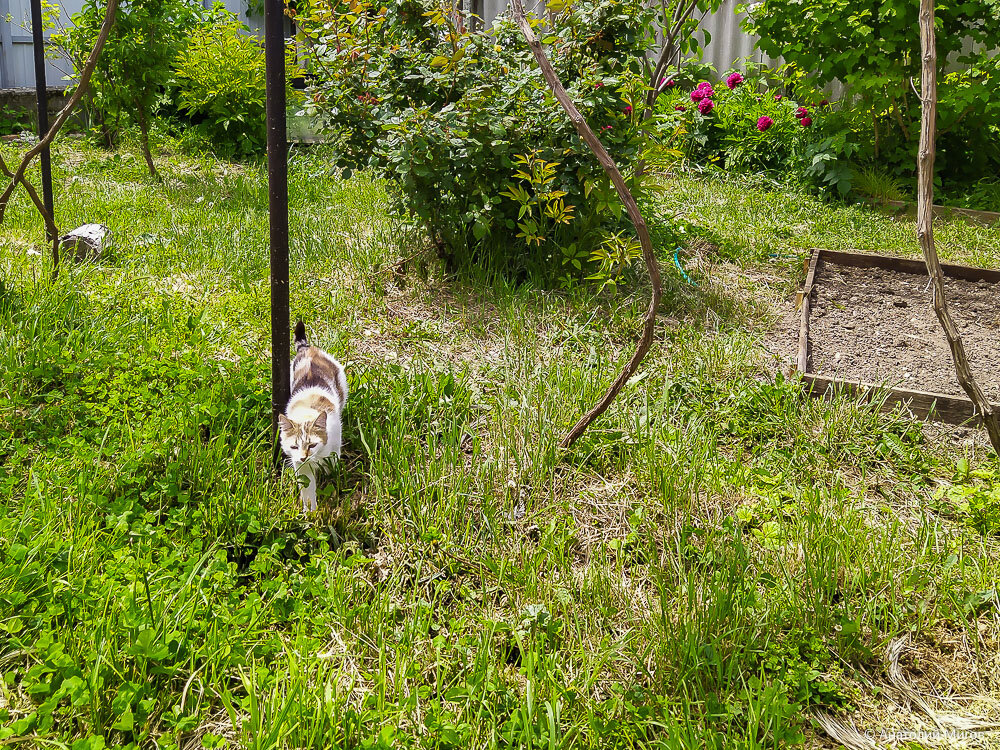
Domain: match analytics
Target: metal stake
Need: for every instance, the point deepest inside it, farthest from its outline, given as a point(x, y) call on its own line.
point(41, 95)
point(277, 182)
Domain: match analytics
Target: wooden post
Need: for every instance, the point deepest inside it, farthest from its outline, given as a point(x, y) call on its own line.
point(925, 227)
point(277, 185)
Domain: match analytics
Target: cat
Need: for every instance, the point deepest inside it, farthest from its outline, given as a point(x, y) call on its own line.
point(310, 427)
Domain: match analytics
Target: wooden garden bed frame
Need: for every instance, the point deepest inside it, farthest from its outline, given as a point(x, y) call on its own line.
point(924, 404)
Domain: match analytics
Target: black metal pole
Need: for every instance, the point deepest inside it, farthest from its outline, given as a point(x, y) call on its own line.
point(41, 94)
point(277, 183)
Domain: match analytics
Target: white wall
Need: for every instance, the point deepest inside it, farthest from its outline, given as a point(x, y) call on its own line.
point(729, 44)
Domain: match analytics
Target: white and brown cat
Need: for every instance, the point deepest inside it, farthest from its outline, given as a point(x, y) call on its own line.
point(310, 426)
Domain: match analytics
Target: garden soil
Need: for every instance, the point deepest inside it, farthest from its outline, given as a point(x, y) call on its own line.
point(878, 326)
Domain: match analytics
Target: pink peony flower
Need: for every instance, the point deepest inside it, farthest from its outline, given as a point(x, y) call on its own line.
point(801, 112)
point(806, 122)
point(764, 123)
point(777, 97)
point(733, 80)
point(698, 94)
point(705, 106)
point(706, 87)
point(666, 84)
point(680, 108)
point(628, 109)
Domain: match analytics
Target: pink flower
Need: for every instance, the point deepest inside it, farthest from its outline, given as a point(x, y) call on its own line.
point(733, 80)
point(698, 94)
point(606, 127)
point(706, 87)
point(764, 123)
point(777, 97)
point(806, 122)
point(599, 85)
point(628, 109)
point(705, 106)
point(801, 112)
point(666, 84)
point(680, 108)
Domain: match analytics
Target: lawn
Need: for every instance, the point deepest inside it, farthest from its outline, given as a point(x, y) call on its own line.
point(716, 563)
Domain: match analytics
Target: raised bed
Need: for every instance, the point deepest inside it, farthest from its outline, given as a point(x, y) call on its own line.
point(903, 284)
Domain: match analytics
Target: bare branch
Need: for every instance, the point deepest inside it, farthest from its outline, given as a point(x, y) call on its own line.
point(667, 52)
point(682, 13)
point(631, 208)
point(50, 225)
point(925, 227)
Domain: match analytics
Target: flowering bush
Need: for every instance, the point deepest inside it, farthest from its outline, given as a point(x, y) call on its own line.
point(746, 128)
point(446, 110)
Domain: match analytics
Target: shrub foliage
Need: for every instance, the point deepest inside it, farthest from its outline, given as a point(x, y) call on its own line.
point(463, 119)
point(220, 84)
point(874, 51)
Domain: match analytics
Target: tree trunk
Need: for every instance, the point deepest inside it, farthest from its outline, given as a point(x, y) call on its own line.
point(631, 207)
point(925, 228)
point(144, 141)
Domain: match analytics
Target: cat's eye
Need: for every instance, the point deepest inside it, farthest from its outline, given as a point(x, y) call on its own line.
point(295, 446)
point(313, 445)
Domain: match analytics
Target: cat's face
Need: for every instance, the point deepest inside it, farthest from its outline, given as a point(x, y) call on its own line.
point(302, 440)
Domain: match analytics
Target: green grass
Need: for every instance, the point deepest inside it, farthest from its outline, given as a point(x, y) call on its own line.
point(717, 556)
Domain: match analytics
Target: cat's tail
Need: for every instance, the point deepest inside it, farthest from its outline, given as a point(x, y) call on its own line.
point(301, 342)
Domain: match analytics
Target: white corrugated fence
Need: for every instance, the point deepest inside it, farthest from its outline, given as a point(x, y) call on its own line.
point(729, 44)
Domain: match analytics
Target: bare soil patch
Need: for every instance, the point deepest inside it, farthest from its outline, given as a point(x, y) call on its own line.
point(878, 326)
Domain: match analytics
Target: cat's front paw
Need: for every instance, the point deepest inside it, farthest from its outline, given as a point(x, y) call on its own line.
point(308, 502)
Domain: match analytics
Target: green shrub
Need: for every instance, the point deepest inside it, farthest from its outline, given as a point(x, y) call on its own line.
point(974, 497)
point(135, 64)
point(220, 85)
point(875, 52)
point(454, 114)
point(983, 195)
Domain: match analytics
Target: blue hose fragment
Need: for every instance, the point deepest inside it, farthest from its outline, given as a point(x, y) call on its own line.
point(677, 262)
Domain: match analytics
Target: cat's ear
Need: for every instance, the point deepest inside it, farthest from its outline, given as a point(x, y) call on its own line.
point(320, 423)
point(285, 424)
